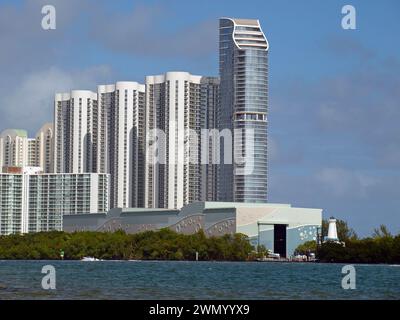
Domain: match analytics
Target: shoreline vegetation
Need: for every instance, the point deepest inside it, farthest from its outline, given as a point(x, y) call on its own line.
point(380, 248)
point(150, 245)
point(166, 244)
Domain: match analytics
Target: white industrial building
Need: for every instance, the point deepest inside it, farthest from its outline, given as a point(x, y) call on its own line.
point(279, 227)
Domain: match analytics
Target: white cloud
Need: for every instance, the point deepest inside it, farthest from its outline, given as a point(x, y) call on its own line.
point(146, 31)
point(30, 103)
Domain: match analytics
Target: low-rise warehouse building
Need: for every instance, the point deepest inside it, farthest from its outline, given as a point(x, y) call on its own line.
point(280, 227)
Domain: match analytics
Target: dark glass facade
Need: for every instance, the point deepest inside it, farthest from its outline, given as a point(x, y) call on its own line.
point(243, 109)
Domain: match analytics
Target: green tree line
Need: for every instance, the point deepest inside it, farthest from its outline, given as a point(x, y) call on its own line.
point(153, 245)
point(381, 247)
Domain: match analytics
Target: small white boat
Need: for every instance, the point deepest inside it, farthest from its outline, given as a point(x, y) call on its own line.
point(90, 259)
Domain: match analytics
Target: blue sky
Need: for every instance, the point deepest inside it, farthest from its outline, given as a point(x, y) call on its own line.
point(334, 93)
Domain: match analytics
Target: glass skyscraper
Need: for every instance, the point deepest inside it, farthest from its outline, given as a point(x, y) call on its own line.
point(243, 63)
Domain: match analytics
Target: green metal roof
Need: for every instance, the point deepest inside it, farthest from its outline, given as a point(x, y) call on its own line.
point(17, 132)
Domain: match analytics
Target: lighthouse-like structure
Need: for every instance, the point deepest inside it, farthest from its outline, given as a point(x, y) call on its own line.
point(332, 232)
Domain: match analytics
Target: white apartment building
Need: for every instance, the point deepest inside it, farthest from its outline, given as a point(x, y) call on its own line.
point(14, 148)
point(31, 201)
point(209, 100)
point(103, 132)
point(73, 123)
point(17, 150)
point(44, 148)
point(32, 152)
point(176, 103)
point(120, 141)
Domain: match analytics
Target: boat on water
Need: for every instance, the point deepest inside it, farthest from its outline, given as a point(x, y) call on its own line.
point(271, 256)
point(266, 259)
point(90, 259)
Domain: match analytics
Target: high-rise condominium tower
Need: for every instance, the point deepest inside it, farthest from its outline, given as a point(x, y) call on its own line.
point(14, 150)
point(104, 133)
point(176, 106)
point(120, 141)
point(209, 100)
point(17, 150)
point(73, 133)
point(243, 66)
point(44, 148)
